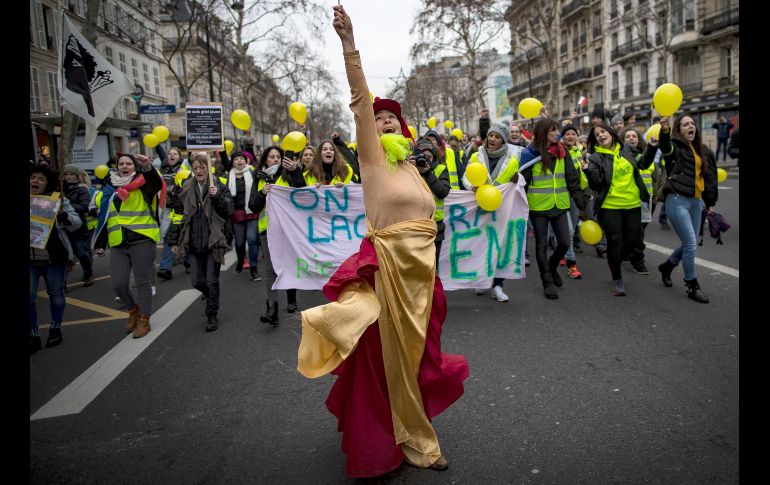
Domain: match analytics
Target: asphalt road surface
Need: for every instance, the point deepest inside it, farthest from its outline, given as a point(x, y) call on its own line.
point(586, 389)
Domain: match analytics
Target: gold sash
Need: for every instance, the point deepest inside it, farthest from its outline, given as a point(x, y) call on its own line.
point(401, 302)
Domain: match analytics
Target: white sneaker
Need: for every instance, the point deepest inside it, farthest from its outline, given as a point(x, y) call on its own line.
point(153, 291)
point(497, 294)
point(481, 291)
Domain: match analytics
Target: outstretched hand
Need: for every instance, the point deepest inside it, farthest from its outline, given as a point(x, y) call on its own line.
point(344, 28)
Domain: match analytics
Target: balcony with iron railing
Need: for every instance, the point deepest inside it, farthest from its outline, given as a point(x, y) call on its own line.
point(687, 26)
point(629, 91)
point(644, 88)
point(635, 47)
point(597, 31)
point(575, 76)
point(583, 38)
point(598, 69)
point(720, 20)
point(615, 94)
point(563, 47)
point(565, 112)
point(692, 87)
point(726, 81)
point(575, 42)
point(573, 7)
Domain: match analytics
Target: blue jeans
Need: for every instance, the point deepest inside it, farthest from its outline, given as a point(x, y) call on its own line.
point(167, 258)
point(722, 145)
point(684, 214)
point(53, 274)
point(81, 246)
point(572, 219)
point(247, 231)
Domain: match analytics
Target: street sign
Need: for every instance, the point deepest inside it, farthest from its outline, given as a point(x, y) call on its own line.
point(156, 109)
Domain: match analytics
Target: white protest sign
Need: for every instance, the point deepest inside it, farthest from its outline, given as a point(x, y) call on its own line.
point(480, 245)
point(313, 231)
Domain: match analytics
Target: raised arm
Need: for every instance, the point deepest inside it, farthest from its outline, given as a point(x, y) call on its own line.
point(368, 143)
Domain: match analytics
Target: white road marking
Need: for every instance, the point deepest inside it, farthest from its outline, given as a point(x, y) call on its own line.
point(230, 258)
point(701, 262)
point(725, 188)
point(75, 397)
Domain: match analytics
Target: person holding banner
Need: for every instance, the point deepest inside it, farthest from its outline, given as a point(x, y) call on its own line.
point(614, 175)
point(206, 211)
point(127, 208)
point(551, 181)
point(692, 170)
point(50, 263)
point(273, 168)
point(502, 162)
point(381, 333)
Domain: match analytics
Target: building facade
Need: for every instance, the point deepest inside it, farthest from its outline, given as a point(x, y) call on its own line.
point(617, 52)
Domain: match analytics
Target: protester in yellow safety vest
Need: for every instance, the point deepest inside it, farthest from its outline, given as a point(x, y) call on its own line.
point(273, 168)
point(502, 162)
point(128, 222)
point(568, 138)
point(634, 142)
point(458, 150)
point(328, 167)
point(551, 182)
point(448, 157)
point(613, 174)
point(436, 175)
point(204, 232)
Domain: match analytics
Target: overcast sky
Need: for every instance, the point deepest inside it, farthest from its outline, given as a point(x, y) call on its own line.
point(381, 29)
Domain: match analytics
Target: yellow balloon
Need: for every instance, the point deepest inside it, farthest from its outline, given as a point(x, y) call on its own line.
point(294, 141)
point(489, 197)
point(590, 232)
point(721, 174)
point(654, 130)
point(275, 138)
point(413, 131)
point(477, 174)
point(449, 124)
point(298, 112)
point(161, 132)
point(431, 122)
point(228, 147)
point(181, 176)
point(457, 132)
point(241, 119)
point(530, 107)
point(150, 140)
point(667, 99)
point(101, 171)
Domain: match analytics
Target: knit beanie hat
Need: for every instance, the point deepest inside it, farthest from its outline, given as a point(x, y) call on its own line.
point(567, 128)
point(435, 135)
point(500, 129)
point(423, 144)
point(73, 169)
point(616, 118)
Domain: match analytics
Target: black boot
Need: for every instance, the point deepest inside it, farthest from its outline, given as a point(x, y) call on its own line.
point(553, 265)
point(54, 338)
point(694, 292)
point(665, 272)
point(291, 297)
point(548, 288)
point(212, 323)
point(271, 313)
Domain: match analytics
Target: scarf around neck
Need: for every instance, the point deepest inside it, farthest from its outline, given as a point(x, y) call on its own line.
point(119, 181)
point(557, 150)
point(496, 153)
point(396, 149)
point(271, 171)
point(248, 181)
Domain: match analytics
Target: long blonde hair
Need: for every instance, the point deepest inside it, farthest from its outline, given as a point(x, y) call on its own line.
point(339, 165)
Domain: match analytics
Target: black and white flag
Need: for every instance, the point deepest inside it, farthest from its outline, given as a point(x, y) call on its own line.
point(89, 85)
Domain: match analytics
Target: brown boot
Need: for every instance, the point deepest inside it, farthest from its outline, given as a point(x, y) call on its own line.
point(142, 326)
point(133, 316)
point(440, 464)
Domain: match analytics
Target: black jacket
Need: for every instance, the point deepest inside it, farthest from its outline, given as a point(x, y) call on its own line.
point(484, 125)
point(680, 165)
point(599, 174)
point(258, 200)
point(440, 188)
point(198, 225)
point(77, 194)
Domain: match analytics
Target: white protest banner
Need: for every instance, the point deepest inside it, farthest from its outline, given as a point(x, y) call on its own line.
point(480, 245)
point(312, 232)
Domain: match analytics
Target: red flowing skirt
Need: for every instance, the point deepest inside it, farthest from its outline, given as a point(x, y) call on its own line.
point(359, 397)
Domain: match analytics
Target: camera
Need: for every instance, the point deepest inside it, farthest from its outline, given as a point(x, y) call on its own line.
point(420, 159)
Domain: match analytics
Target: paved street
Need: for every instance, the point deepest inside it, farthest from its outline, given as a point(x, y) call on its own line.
point(586, 389)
